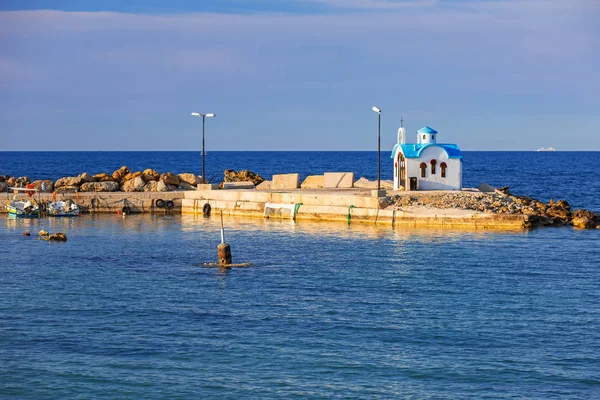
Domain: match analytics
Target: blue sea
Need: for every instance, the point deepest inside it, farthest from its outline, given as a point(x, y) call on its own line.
point(328, 310)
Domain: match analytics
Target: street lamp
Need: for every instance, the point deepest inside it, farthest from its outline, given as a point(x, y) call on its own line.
point(378, 111)
point(210, 115)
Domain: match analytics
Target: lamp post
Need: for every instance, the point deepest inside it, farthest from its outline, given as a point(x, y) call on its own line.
point(378, 111)
point(204, 116)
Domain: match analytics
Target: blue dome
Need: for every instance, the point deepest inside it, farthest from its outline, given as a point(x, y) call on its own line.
point(427, 129)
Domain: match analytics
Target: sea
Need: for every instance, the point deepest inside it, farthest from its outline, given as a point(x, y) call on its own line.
point(125, 308)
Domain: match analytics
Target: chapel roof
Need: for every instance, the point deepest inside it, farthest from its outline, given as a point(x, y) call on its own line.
point(414, 150)
point(427, 129)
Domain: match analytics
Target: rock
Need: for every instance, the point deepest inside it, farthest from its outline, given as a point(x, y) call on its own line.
point(583, 222)
point(3, 187)
point(558, 212)
point(130, 176)
point(162, 187)
point(503, 190)
point(583, 214)
point(67, 181)
point(316, 182)
point(151, 186)
point(564, 204)
point(4, 178)
point(265, 185)
point(67, 189)
point(103, 178)
point(189, 178)
point(57, 237)
point(367, 184)
point(150, 175)
point(186, 186)
point(43, 233)
point(44, 186)
point(120, 173)
point(27, 233)
point(485, 188)
point(134, 185)
point(22, 181)
point(528, 210)
point(104, 186)
point(242, 176)
point(11, 181)
point(170, 178)
point(85, 177)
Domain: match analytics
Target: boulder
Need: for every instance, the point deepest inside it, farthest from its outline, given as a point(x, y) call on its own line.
point(11, 181)
point(68, 181)
point(104, 186)
point(558, 212)
point(162, 187)
point(367, 184)
point(44, 186)
point(22, 181)
point(3, 187)
point(583, 214)
point(120, 173)
point(242, 176)
point(150, 175)
point(564, 204)
point(130, 176)
point(186, 186)
point(57, 237)
point(584, 223)
point(170, 178)
point(4, 178)
point(85, 177)
point(485, 188)
point(66, 189)
point(189, 178)
point(151, 186)
point(43, 233)
point(103, 178)
point(134, 185)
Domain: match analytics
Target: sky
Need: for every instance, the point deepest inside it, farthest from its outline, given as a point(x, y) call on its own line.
point(298, 74)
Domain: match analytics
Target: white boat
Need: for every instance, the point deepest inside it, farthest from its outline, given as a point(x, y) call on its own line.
point(546, 149)
point(23, 208)
point(62, 209)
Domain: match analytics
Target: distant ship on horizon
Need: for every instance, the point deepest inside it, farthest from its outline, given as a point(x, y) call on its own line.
point(546, 149)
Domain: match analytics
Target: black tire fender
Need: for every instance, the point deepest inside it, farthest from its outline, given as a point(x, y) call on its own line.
point(169, 205)
point(206, 209)
point(160, 203)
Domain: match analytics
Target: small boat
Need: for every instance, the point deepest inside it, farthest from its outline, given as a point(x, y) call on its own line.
point(62, 209)
point(546, 149)
point(23, 208)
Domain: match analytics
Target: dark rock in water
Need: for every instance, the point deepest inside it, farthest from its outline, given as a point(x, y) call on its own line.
point(56, 237)
point(558, 213)
point(583, 222)
point(27, 233)
point(583, 214)
point(242, 176)
point(43, 232)
point(564, 204)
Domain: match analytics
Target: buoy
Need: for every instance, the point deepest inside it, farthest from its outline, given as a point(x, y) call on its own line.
point(206, 210)
point(223, 249)
point(169, 205)
point(160, 203)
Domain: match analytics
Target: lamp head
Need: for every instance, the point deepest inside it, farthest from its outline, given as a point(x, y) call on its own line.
point(210, 115)
point(196, 115)
point(376, 109)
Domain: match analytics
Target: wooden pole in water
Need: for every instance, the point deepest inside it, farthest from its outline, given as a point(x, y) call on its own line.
point(223, 249)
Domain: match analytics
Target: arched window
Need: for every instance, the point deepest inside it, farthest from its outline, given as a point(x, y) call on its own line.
point(423, 170)
point(443, 166)
point(424, 137)
point(432, 137)
point(433, 164)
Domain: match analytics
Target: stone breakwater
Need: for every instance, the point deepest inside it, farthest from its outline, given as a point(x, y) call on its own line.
point(122, 180)
point(537, 213)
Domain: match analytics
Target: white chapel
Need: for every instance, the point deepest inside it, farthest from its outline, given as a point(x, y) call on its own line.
point(426, 165)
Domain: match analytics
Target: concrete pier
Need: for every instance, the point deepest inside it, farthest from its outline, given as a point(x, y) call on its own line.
point(353, 205)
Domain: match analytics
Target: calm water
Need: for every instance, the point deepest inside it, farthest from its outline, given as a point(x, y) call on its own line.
point(328, 310)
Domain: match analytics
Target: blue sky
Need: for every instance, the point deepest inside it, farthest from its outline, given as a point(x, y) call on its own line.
point(298, 75)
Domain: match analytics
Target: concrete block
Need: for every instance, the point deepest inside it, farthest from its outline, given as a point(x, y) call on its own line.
point(285, 181)
point(339, 179)
point(378, 193)
point(313, 182)
point(207, 186)
point(238, 185)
